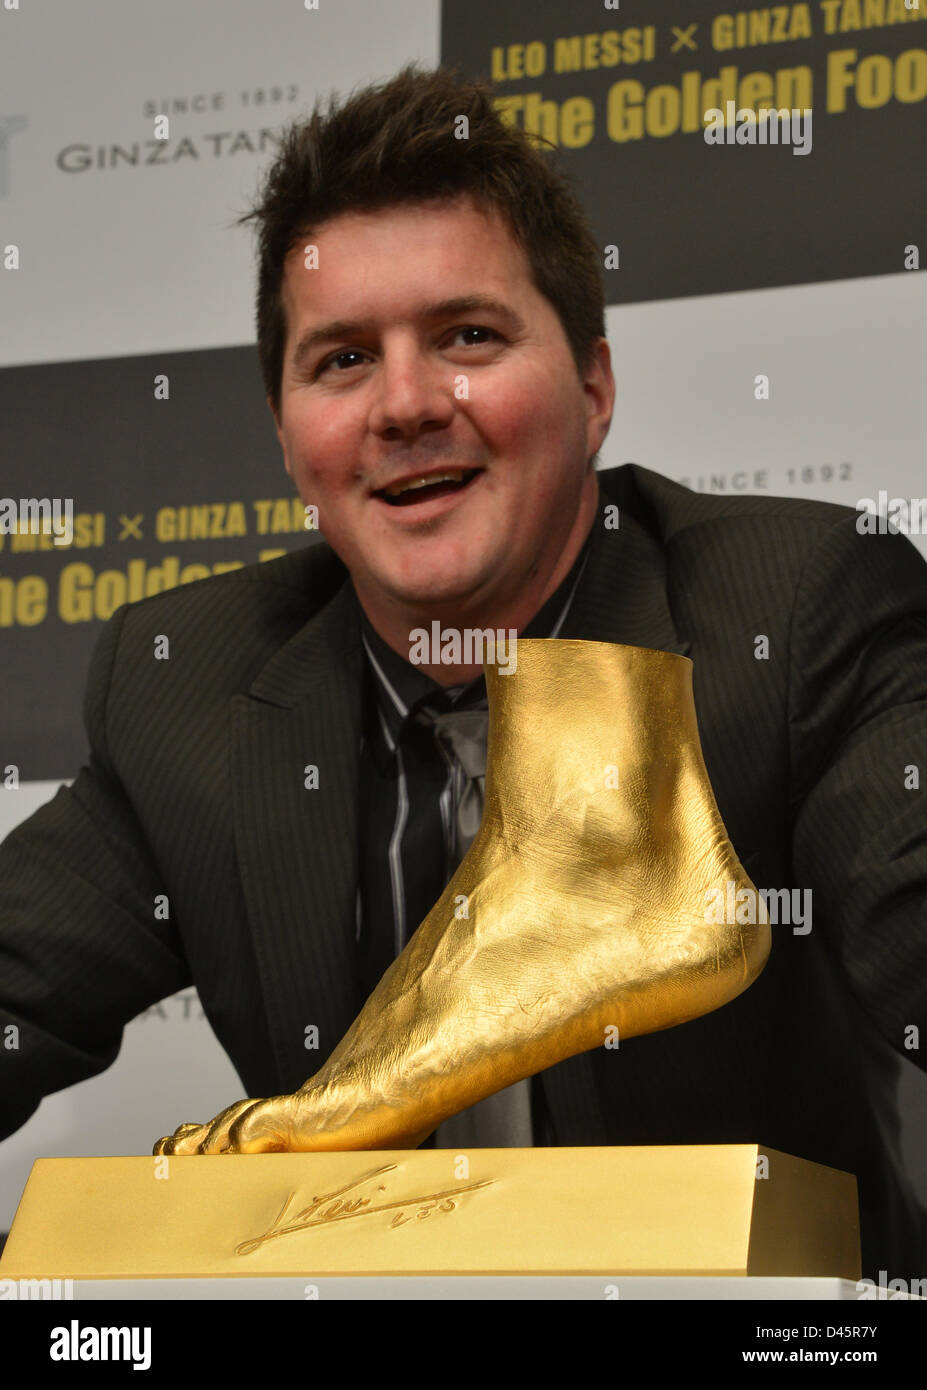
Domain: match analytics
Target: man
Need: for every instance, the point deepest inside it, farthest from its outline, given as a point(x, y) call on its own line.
point(286, 780)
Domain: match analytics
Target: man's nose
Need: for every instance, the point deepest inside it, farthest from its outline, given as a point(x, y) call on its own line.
point(413, 391)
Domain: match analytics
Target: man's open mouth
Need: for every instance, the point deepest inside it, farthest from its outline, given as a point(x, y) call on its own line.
point(415, 490)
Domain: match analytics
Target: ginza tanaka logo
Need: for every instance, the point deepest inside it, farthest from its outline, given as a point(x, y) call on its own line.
point(471, 646)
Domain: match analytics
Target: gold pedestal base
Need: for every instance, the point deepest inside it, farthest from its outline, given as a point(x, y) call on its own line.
point(671, 1210)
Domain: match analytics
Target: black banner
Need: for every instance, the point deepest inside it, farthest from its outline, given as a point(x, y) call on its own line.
point(623, 90)
point(173, 469)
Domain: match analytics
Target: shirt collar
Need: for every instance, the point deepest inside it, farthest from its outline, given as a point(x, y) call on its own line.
point(402, 689)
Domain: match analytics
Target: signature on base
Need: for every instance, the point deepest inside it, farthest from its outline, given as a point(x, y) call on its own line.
point(345, 1210)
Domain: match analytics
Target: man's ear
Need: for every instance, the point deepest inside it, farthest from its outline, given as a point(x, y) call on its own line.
point(278, 427)
point(599, 385)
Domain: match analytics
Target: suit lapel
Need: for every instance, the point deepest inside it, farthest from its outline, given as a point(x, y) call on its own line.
point(297, 847)
point(622, 594)
point(621, 597)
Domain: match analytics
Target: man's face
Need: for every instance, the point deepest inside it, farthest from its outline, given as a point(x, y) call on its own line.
point(421, 387)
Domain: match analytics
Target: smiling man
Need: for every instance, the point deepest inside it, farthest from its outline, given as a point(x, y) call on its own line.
point(300, 787)
point(430, 407)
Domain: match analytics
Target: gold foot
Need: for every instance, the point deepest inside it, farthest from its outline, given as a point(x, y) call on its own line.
point(585, 910)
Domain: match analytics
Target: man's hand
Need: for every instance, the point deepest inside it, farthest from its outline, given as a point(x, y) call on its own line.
point(247, 1127)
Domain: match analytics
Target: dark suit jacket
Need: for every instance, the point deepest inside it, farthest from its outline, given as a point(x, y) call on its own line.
point(194, 787)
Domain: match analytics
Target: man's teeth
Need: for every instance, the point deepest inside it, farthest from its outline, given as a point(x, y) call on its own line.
point(399, 488)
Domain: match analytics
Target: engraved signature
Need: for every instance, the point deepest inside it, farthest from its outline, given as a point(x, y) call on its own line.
point(343, 1210)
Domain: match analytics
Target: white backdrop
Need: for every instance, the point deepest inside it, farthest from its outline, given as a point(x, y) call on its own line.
point(123, 260)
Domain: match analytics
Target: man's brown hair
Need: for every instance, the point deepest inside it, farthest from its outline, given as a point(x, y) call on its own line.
point(394, 143)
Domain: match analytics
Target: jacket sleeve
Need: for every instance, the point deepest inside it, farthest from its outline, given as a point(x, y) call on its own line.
point(81, 951)
point(858, 734)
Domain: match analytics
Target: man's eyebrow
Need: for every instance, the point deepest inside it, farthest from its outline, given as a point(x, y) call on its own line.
point(340, 329)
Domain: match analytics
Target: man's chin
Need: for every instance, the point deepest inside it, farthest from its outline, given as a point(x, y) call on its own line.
point(434, 594)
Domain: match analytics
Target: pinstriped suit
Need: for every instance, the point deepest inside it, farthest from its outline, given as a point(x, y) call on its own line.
point(194, 787)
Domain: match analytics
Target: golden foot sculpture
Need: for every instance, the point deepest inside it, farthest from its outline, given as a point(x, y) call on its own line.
point(583, 906)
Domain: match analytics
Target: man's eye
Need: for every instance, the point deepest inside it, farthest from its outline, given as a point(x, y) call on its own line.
point(355, 352)
point(475, 328)
point(329, 361)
